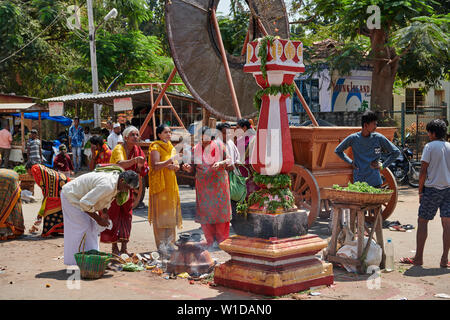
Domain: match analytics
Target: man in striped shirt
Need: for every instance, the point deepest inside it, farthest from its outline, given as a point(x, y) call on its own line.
point(34, 148)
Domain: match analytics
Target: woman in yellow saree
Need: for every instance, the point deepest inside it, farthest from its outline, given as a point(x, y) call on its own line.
point(164, 210)
point(11, 217)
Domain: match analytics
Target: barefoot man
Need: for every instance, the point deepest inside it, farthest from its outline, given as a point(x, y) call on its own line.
point(434, 190)
point(85, 201)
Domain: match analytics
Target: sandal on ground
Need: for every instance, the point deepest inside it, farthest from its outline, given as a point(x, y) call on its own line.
point(409, 261)
point(397, 228)
point(408, 226)
point(387, 224)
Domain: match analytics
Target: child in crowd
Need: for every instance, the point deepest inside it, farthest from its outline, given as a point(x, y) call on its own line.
point(63, 163)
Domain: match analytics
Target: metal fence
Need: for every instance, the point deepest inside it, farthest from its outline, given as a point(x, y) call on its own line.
point(412, 125)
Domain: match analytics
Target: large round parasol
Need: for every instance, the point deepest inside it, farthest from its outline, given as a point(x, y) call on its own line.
point(197, 57)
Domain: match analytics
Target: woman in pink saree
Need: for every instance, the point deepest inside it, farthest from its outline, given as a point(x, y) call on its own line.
point(212, 188)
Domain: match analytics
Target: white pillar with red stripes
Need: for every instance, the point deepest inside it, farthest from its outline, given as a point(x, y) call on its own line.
point(272, 151)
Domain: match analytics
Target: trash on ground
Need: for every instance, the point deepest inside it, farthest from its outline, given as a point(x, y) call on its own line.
point(124, 256)
point(115, 267)
point(315, 293)
point(350, 250)
point(442, 295)
point(157, 270)
point(183, 275)
point(132, 267)
point(155, 255)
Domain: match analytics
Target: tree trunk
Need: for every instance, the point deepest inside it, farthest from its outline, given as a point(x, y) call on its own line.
point(385, 66)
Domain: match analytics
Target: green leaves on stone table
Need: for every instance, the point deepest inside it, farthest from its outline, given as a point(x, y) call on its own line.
point(275, 193)
point(272, 182)
point(242, 208)
point(272, 199)
point(359, 186)
point(20, 169)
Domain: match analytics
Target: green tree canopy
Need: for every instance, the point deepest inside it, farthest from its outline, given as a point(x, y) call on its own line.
point(411, 42)
point(40, 56)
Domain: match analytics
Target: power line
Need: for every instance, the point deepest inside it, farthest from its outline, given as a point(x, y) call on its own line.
point(31, 41)
point(40, 34)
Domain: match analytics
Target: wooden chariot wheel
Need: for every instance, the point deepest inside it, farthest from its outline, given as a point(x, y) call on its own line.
point(388, 207)
point(138, 194)
point(306, 192)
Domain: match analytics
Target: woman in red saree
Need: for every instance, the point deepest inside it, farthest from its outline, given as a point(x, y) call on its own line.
point(130, 157)
point(101, 153)
point(51, 183)
point(11, 217)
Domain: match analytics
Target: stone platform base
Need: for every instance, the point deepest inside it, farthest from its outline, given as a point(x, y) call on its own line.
point(273, 267)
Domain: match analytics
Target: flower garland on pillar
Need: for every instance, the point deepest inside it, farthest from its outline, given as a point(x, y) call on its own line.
point(275, 193)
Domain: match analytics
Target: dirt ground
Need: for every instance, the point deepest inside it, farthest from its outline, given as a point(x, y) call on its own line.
point(32, 267)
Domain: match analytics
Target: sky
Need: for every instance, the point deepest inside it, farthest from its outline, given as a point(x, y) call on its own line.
point(224, 6)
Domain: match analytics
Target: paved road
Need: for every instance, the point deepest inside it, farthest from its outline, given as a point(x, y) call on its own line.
point(35, 270)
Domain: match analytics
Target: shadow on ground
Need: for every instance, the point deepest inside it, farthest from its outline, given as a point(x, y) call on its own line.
point(63, 274)
point(419, 271)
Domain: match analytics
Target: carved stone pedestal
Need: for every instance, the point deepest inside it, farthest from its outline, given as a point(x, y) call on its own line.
point(273, 267)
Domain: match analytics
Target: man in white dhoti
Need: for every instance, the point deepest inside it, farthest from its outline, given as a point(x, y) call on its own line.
point(85, 201)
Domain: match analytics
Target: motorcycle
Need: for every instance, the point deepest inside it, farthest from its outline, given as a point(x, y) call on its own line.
point(404, 168)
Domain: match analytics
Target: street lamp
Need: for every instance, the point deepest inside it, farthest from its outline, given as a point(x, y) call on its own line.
point(92, 30)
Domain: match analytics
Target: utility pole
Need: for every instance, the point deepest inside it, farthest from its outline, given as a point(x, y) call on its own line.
point(97, 107)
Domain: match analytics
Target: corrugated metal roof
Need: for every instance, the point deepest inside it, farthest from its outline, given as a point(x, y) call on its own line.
point(101, 95)
point(21, 106)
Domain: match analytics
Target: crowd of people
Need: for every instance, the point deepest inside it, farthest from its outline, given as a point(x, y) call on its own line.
point(100, 202)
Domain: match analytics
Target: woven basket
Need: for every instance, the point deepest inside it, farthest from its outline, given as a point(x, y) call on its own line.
point(26, 177)
point(92, 263)
point(360, 198)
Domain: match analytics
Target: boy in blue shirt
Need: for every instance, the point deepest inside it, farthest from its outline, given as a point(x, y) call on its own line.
point(367, 146)
point(76, 139)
